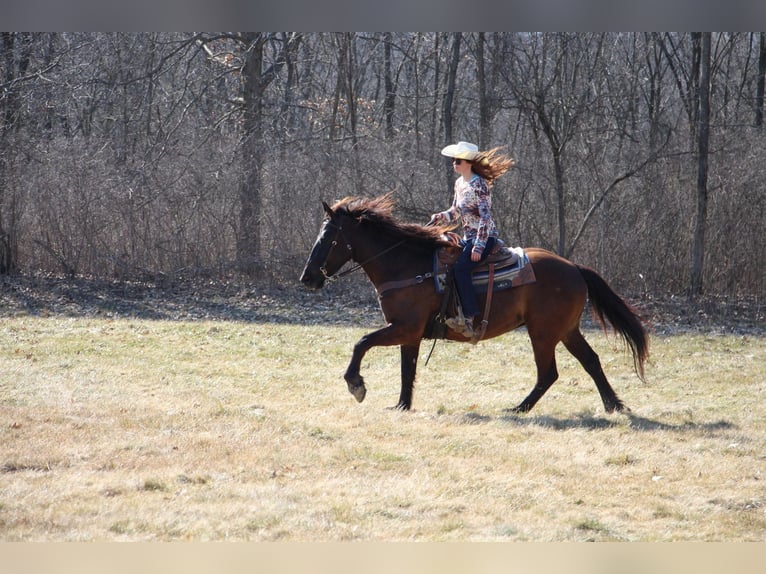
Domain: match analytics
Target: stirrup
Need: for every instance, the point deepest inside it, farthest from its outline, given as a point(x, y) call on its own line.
point(461, 325)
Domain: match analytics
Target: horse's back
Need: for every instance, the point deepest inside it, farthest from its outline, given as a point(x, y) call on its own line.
point(557, 297)
point(554, 272)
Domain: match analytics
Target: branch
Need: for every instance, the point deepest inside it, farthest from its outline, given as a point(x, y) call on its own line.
point(615, 182)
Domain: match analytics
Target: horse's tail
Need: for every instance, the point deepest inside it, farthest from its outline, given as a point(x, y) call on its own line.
point(608, 305)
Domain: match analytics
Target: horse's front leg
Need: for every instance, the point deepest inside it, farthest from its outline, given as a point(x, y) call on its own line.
point(409, 367)
point(390, 335)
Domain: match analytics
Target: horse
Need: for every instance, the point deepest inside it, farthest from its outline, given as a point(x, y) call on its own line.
point(399, 256)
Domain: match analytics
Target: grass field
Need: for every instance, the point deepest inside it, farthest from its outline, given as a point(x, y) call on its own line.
point(126, 429)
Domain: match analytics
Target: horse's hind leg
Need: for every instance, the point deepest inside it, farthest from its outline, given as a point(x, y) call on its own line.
point(579, 347)
point(545, 359)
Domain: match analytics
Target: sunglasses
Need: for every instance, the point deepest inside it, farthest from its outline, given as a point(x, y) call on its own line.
point(457, 161)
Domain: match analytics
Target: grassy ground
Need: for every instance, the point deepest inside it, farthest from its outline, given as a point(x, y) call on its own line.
point(128, 429)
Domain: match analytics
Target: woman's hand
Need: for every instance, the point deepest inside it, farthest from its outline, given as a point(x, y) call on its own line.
point(435, 218)
point(475, 257)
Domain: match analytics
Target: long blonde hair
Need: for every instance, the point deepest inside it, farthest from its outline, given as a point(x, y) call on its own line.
point(491, 164)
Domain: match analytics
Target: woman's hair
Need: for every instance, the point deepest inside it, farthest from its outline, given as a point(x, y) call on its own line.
point(491, 164)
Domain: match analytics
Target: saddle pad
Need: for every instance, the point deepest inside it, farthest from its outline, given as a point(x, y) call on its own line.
point(519, 273)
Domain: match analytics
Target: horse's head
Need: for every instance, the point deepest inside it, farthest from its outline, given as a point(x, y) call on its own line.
point(330, 252)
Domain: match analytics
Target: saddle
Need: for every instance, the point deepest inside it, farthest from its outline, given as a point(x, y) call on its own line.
point(510, 264)
point(504, 268)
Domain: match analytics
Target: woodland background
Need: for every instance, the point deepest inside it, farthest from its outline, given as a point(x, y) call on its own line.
point(165, 156)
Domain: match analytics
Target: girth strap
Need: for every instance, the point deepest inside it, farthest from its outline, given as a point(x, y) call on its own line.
point(485, 321)
point(384, 288)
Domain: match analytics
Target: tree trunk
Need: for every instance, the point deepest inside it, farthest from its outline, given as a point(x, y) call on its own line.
point(481, 77)
point(449, 96)
point(561, 210)
point(255, 79)
point(389, 100)
point(703, 136)
point(339, 86)
point(351, 92)
point(450, 93)
point(416, 103)
point(16, 48)
point(249, 240)
point(436, 88)
point(761, 81)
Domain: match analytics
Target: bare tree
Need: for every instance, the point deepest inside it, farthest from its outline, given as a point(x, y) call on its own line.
point(703, 137)
point(257, 74)
point(761, 82)
point(161, 155)
point(15, 61)
point(389, 99)
point(449, 94)
point(484, 108)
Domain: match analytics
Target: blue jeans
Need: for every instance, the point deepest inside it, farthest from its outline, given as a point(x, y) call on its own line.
point(463, 268)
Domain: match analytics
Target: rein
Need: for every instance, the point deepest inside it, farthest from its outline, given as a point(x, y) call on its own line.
point(356, 267)
point(388, 286)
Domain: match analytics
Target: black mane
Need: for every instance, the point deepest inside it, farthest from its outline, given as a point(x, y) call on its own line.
point(378, 212)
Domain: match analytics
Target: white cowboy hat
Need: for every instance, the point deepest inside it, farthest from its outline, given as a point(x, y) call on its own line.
point(461, 150)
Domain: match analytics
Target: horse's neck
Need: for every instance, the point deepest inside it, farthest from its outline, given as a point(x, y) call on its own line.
point(387, 258)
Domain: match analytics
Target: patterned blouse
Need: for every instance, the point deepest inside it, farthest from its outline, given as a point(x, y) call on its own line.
point(473, 204)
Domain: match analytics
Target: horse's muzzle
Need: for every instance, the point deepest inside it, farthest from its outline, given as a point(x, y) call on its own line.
point(312, 279)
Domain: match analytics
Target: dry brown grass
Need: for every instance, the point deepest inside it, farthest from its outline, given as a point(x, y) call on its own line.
point(169, 430)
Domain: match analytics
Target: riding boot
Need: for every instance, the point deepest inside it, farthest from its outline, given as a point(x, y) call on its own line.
point(462, 326)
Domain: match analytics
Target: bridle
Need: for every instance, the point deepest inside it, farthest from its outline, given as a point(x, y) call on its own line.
point(393, 285)
point(358, 266)
point(323, 267)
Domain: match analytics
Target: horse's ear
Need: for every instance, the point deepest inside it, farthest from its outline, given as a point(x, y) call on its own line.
point(327, 208)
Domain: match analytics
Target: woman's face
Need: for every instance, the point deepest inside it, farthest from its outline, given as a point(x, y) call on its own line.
point(461, 166)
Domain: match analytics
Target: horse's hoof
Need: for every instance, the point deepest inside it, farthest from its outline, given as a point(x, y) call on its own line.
point(620, 408)
point(359, 391)
point(518, 409)
point(399, 407)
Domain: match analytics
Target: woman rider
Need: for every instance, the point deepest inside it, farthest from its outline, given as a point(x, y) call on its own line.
point(472, 203)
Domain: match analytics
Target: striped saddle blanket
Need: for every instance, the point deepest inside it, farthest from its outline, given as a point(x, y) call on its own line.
point(512, 268)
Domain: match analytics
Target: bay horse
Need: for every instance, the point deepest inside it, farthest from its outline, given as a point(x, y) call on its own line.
point(402, 254)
